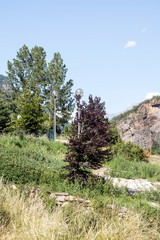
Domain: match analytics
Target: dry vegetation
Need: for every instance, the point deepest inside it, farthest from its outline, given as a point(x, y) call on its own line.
point(28, 219)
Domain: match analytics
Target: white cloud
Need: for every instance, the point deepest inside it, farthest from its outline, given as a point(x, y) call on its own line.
point(130, 44)
point(145, 30)
point(151, 94)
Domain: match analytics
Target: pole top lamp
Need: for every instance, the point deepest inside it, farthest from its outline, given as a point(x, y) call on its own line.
point(79, 92)
point(78, 95)
point(55, 94)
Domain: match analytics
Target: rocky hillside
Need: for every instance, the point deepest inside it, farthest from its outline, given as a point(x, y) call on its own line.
point(141, 125)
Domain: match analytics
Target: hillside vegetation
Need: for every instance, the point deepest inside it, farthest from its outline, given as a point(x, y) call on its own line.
point(31, 162)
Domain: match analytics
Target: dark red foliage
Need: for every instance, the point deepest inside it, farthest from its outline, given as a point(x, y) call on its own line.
point(89, 150)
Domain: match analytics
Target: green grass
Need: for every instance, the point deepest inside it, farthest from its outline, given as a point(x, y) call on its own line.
point(123, 168)
point(28, 159)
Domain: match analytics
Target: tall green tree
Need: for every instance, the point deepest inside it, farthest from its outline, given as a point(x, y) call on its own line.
point(30, 73)
point(57, 74)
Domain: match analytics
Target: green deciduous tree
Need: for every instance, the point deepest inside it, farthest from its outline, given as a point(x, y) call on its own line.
point(56, 74)
point(29, 73)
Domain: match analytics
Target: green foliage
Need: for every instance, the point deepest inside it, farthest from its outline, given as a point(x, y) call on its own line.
point(116, 138)
point(26, 159)
point(31, 114)
point(64, 102)
point(121, 167)
point(66, 130)
point(29, 72)
point(156, 148)
point(4, 112)
point(2, 80)
point(130, 151)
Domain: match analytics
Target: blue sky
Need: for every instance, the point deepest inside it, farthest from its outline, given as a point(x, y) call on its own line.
point(111, 48)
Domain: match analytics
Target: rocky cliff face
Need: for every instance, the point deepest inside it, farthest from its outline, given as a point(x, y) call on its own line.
point(143, 126)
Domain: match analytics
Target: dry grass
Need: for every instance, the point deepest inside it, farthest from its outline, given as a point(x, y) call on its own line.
point(22, 219)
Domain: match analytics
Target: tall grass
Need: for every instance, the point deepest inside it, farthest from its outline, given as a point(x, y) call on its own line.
point(121, 167)
point(28, 219)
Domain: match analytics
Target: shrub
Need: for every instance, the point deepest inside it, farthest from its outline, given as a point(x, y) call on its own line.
point(130, 151)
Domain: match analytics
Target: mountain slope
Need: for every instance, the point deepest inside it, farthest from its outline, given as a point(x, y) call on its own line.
point(141, 124)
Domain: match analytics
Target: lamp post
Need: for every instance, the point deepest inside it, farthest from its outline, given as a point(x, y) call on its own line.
point(79, 94)
point(55, 94)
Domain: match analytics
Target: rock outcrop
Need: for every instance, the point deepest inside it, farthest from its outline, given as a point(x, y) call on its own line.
point(143, 126)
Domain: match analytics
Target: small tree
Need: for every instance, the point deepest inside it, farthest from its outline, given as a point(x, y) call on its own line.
point(89, 149)
point(31, 113)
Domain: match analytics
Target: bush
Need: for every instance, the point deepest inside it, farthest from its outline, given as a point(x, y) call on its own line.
point(130, 151)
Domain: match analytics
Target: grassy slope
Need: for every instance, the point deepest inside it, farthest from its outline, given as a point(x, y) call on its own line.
point(120, 167)
point(26, 159)
point(39, 162)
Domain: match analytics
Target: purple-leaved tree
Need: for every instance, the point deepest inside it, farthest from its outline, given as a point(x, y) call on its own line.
point(89, 149)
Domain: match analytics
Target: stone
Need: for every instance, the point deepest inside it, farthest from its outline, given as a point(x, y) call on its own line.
point(60, 198)
point(59, 203)
point(80, 200)
point(152, 204)
point(65, 204)
point(70, 198)
point(61, 194)
point(132, 185)
point(52, 195)
point(14, 187)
